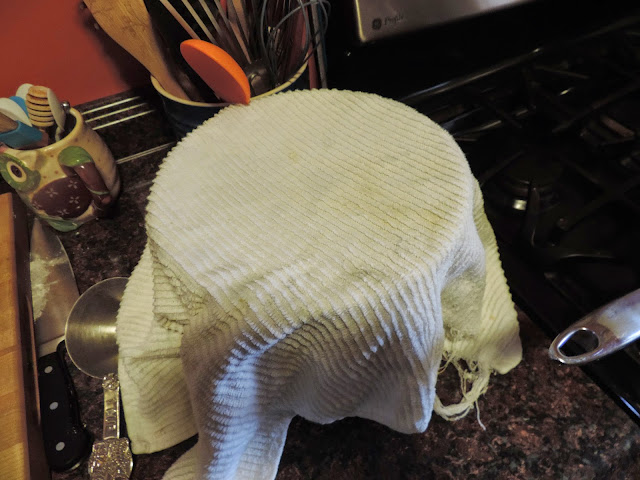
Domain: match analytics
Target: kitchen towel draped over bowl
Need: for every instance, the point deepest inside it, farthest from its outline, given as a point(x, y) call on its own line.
point(316, 253)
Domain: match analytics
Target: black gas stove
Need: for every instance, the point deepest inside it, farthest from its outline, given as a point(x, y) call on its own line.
point(545, 102)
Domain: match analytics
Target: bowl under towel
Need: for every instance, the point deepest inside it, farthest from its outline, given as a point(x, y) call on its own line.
point(316, 253)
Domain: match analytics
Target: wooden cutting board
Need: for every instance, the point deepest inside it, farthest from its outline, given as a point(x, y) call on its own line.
point(21, 448)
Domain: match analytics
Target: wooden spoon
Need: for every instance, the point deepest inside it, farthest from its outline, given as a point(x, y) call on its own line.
point(129, 24)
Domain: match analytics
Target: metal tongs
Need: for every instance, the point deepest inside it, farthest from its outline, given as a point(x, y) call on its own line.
point(607, 330)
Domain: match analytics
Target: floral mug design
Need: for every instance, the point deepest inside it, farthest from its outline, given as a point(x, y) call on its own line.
point(68, 182)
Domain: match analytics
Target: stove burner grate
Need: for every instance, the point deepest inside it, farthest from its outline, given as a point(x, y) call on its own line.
point(533, 169)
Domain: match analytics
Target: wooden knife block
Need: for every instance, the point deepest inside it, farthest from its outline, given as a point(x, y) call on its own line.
point(21, 447)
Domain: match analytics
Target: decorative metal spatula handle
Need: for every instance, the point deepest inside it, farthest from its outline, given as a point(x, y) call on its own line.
point(111, 457)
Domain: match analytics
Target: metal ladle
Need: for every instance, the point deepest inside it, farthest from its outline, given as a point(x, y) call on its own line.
point(604, 331)
point(90, 338)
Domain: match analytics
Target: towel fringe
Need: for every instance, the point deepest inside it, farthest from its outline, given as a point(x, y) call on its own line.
point(474, 381)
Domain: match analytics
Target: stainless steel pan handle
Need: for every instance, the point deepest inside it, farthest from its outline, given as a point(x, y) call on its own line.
point(611, 328)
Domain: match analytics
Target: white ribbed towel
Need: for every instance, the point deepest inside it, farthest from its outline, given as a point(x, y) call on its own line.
point(316, 253)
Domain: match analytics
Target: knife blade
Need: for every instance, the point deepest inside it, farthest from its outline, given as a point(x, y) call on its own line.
point(54, 292)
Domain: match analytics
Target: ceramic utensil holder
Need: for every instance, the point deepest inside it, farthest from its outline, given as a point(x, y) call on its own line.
point(185, 115)
point(66, 183)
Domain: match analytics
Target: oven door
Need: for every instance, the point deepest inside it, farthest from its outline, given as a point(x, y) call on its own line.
point(377, 19)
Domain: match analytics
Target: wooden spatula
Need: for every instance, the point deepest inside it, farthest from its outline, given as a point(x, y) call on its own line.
point(129, 24)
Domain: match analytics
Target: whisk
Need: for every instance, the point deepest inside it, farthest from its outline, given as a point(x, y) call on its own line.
point(269, 39)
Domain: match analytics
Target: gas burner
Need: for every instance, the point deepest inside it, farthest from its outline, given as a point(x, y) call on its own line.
point(531, 169)
point(607, 136)
point(631, 162)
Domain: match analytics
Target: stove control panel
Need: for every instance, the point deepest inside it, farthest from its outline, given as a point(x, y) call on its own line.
point(378, 19)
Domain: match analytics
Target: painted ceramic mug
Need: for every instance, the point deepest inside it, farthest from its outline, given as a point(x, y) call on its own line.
point(68, 182)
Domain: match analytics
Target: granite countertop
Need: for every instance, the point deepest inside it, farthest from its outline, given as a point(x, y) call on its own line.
point(541, 420)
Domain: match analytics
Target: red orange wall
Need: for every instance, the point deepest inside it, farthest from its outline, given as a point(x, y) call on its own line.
point(55, 43)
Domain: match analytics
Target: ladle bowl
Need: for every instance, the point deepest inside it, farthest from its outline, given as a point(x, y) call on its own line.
point(90, 334)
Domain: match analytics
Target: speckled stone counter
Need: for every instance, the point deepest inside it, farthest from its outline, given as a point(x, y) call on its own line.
point(542, 420)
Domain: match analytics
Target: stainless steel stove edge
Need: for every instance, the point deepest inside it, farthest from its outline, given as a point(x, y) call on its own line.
point(379, 19)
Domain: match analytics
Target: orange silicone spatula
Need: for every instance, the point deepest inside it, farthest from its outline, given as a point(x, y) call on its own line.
point(218, 69)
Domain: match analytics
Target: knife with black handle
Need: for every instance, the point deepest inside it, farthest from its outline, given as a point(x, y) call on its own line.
point(54, 292)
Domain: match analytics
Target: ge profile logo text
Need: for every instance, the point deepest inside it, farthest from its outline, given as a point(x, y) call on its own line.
point(390, 21)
